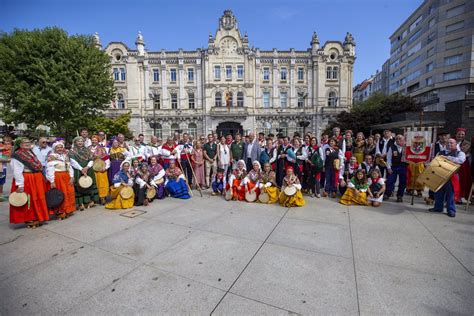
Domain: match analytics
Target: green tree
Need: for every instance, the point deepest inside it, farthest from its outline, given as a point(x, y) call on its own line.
point(111, 126)
point(48, 77)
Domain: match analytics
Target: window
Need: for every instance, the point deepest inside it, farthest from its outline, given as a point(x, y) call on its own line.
point(284, 128)
point(413, 87)
point(429, 81)
point(240, 72)
point(122, 74)
point(157, 101)
point(432, 9)
point(432, 23)
point(452, 60)
point(328, 72)
point(217, 72)
point(455, 43)
point(429, 67)
point(174, 128)
point(228, 72)
point(218, 99)
point(300, 74)
point(300, 99)
point(120, 101)
point(414, 37)
point(413, 75)
point(455, 11)
point(266, 99)
point(266, 74)
point(240, 99)
point(414, 49)
point(173, 75)
point(454, 27)
point(190, 74)
point(283, 99)
point(283, 74)
point(192, 130)
point(430, 38)
point(191, 100)
point(335, 73)
point(430, 52)
point(416, 23)
point(159, 130)
point(452, 75)
point(174, 101)
point(414, 62)
point(332, 99)
point(156, 75)
point(116, 74)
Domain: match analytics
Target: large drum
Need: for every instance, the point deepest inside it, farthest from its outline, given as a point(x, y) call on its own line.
point(98, 165)
point(251, 196)
point(290, 190)
point(438, 173)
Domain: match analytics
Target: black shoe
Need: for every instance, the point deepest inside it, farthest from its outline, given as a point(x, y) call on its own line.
point(399, 199)
point(434, 210)
point(451, 214)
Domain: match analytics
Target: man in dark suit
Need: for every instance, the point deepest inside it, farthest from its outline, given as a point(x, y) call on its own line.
point(252, 151)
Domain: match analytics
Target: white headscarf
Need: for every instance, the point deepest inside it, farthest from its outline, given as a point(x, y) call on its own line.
point(241, 161)
point(258, 163)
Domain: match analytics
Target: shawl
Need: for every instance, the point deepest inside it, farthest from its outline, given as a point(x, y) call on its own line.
point(358, 185)
point(268, 176)
point(81, 154)
point(117, 153)
point(145, 176)
point(98, 152)
point(52, 156)
point(28, 158)
point(121, 176)
point(173, 173)
point(154, 169)
point(293, 179)
point(253, 175)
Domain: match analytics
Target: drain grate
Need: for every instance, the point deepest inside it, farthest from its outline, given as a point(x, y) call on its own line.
point(133, 213)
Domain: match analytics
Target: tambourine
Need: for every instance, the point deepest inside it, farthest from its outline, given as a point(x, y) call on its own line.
point(99, 165)
point(290, 190)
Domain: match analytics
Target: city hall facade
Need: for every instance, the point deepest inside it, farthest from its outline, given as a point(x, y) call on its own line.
point(229, 86)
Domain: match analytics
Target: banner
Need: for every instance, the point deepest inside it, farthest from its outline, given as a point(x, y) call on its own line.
point(418, 146)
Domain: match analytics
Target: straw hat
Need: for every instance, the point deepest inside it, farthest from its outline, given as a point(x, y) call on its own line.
point(18, 199)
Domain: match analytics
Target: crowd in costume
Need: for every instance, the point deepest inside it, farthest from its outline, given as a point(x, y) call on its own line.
point(60, 178)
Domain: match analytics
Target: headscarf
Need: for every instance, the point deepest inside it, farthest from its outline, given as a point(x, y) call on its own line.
point(122, 176)
point(53, 155)
point(144, 175)
point(80, 154)
point(26, 156)
point(154, 169)
point(242, 162)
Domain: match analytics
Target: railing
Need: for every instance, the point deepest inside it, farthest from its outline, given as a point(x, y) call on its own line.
point(228, 110)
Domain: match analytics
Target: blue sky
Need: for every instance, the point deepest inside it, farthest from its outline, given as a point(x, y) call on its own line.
point(186, 24)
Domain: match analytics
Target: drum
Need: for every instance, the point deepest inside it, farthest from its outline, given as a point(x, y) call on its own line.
point(264, 197)
point(54, 198)
point(85, 182)
point(99, 165)
point(290, 190)
point(228, 195)
point(438, 173)
point(126, 192)
point(251, 196)
point(18, 199)
point(159, 181)
point(336, 164)
point(151, 193)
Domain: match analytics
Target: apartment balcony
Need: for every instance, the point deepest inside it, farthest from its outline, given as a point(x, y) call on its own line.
point(219, 111)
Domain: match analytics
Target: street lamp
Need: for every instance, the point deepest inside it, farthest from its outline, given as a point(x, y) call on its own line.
point(152, 97)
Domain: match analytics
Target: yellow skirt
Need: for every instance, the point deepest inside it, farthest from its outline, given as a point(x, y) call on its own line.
point(273, 193)
point(118, 201)
point(359, 156)
point(414, 170)
point(102, 182)
point(290, 201)
point(351, 198)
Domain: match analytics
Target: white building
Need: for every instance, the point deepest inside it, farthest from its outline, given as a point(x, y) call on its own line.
point(230, 86)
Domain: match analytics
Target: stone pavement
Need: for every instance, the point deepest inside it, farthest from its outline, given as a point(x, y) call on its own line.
point(205, 255)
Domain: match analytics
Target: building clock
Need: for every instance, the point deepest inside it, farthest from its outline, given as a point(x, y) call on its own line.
point(228, 46)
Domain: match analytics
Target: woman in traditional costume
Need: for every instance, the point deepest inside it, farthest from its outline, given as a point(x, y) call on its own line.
point(134, 167)
point(82, 161)
point(223, 156)
point(60, 175)
point(101, 176)
point(28, 178)
point(301, 156)
point(117, 155)
point(268, 183)
point(291, 200)
point(251, 181)
point(175, 182)
point(235, 181)
point(348, 172)
point(157, 174)
point(359, 147)
point(376, 188)
point(370, 147)
point(356, 192)
point(121, 180)
point(314, 166)
point(349, 145)
point(197, 157)
point(141, 185)
point(332, 166)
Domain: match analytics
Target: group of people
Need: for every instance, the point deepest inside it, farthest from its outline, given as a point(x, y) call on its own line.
point(265, 168)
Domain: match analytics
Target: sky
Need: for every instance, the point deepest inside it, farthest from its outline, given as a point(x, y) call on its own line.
point(186, 24)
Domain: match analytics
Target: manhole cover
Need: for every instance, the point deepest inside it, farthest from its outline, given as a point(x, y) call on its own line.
point(133, 213)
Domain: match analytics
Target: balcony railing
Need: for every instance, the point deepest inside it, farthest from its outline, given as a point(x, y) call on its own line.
point(228, 110)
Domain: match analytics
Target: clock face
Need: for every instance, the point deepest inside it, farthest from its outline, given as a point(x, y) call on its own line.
point(228, 46)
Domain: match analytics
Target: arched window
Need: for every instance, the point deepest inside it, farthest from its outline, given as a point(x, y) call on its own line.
point(229, 99)
point(328, 72)
point(240, 99)
point(267, 128)
point(120, 101)
point(284, 128)
point(332, 99)
point(192, 130)
point(159, 130)
point(174, 128)
point(218, 99)
point(335, 73)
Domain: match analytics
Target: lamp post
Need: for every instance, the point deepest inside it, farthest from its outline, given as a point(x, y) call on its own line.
point(304, 123)
point(152, 97)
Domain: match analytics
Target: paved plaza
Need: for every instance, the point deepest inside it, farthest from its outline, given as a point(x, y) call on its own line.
point(205, 255)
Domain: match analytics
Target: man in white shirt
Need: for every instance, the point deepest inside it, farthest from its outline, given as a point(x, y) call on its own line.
point(154, 147)
point(85, 135)
point(381, 150)
point(41, 150)
point(396, 167)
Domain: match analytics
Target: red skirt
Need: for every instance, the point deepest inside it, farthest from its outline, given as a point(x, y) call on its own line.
point(35, 209)
point(465, 180)
point(238, 194)
point(63, 184)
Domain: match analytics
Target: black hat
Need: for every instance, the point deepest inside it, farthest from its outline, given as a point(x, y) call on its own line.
point(54, 198)
point(442, 132)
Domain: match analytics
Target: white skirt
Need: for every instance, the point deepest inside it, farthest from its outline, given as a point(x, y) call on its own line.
point(374, 199)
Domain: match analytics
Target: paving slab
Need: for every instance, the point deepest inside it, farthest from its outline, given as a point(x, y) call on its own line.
point(144, 240)
point(194, 216)
point(149, 291)
point(300, 281)
point(401, 242)
point(237, 305)
point(206, 257)
point(258, 209)
point(321, 210)
point(391, 290)
point(314, 236)
point(56, 285)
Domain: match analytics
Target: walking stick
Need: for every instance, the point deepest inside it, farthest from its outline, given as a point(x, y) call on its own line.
point(194, 175)
point(189, 188)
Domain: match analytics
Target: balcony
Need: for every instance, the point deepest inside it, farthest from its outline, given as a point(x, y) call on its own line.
point(217, 111)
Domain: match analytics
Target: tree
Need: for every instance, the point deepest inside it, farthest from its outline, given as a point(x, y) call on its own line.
point(50, 78)
point(111, 126)
point(377, 109)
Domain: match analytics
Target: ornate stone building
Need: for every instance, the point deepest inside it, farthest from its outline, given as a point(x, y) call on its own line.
point(230, 86)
